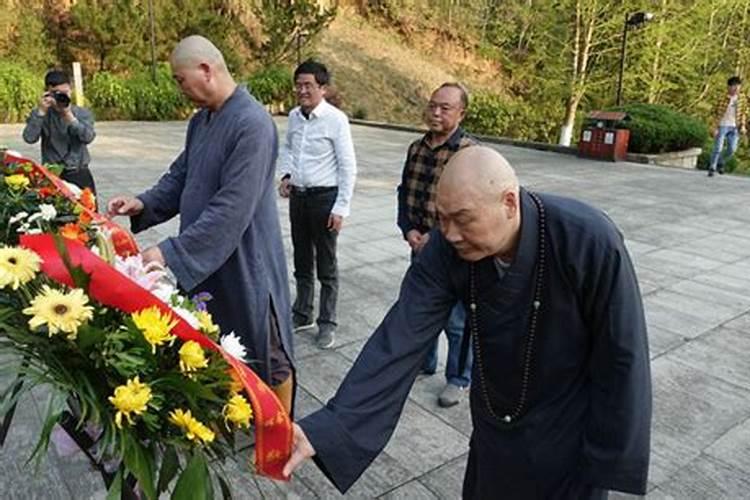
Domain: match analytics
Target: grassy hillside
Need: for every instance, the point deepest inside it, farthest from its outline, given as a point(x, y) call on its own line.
point(381, 76)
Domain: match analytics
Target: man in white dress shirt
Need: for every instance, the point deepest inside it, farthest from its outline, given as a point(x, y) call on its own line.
point(318, 169)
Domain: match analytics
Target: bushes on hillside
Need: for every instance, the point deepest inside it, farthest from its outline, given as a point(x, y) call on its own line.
point(489, 114)
point(20, 89)
point(115, 97)
point(657, 129)
point(272, 85)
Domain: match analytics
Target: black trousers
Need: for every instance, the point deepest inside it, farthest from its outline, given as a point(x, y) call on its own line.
point(314, 250)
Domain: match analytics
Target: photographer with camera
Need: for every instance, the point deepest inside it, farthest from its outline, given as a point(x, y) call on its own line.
point(65, 130)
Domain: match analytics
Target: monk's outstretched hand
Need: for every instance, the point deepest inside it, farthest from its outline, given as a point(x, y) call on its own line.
point(301, 450)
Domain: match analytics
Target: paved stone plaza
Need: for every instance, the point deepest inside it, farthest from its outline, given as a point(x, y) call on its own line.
point(690, 240)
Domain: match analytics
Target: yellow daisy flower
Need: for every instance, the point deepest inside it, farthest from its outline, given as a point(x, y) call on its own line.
point(194, 430)
point(61, 312)
point(238, 411)
point(17, 181)
point(18, 266)
point(192, 357)
point(206, 323)
point(133, 397)
point(155, 326)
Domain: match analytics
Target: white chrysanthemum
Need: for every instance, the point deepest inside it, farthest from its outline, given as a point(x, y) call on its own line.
point(187, 316)
point(232, 344)
point(48, 211)
point(17, 218)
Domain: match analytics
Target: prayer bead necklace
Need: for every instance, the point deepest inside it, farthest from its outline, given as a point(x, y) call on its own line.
point(514, 413)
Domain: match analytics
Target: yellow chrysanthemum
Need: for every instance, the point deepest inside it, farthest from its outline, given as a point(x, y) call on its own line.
point(194, 430)
point(17, 181)
point(238, 411)
point(133, 397)
point(18, 266)
point(61, 312)
point(206, 323)
point(192, 357)
point(155, 326)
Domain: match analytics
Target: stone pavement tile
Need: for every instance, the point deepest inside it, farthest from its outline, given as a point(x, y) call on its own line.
point(679, 264)
point(320, 375)
point(384, 474)
point(247, 485)
point(668, 234)
point(413, 490)
point(712, 295)
point(703, 308)
point(651, 280)
point(422, 441)
point(722, 223)
point(448, 479)
point(22, 436)
point(426, 391)
point(636, 247)
point(661, 341)
point(693, 410)
point(706, 479)
point(721, 246)
point(741, 323)
point(351, 350)
point(743, 231)
point(718, 280)
point(674, 320)
point(721, 353)
point(734, 447)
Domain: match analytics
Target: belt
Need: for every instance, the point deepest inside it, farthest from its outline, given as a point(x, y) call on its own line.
point(313, 189)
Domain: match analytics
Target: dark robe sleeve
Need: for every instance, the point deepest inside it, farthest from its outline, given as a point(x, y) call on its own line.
point(206, 244)
point(352, 429)
point(162, 202)
point(617, 436)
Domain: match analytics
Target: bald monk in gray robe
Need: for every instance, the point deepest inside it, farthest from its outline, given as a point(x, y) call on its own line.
point(222, 186)
point(561, 399)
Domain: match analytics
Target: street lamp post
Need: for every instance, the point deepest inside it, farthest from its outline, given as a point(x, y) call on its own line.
point(631, 21)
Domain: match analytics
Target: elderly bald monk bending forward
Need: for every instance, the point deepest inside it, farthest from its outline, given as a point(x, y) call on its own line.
point(561, 404)
point(222, 185)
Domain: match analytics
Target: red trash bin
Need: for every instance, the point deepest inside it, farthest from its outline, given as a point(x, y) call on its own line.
point(600, 137)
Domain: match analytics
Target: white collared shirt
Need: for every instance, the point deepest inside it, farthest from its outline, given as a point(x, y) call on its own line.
point(318, 152)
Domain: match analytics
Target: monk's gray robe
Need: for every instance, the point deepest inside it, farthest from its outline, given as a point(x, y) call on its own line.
point(584, 425)
point(229, 243)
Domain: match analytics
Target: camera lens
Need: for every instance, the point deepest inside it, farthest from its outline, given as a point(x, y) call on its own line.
point(61, 98)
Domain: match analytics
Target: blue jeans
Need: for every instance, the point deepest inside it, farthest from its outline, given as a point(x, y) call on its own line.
point(454, 330)
point(732, 136)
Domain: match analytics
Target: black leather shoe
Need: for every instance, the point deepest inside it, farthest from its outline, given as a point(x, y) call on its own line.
point(720, 170)
point(710, 173)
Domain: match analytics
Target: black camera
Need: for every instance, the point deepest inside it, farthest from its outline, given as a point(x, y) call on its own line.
point(61, 98)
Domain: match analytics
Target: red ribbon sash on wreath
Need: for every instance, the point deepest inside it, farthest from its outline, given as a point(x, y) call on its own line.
point(123, 242)
point(273, 429)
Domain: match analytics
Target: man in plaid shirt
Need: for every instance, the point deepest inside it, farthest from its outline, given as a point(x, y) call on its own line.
point(417, 214)
point(730, 122)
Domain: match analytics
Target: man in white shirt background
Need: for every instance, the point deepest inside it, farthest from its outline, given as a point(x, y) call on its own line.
point(318, 169)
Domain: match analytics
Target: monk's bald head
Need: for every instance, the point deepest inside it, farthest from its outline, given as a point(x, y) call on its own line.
point(480, 170)
point(478, 204)
point(195, 50)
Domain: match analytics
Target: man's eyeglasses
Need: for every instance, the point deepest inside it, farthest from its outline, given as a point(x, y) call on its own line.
point(443, 107)
point(306, 86)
